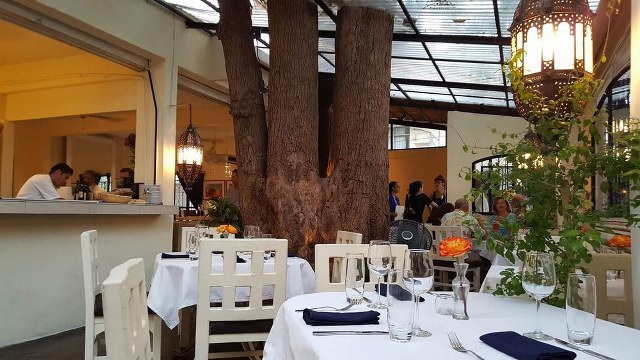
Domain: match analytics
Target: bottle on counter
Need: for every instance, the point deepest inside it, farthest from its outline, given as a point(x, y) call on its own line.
point(82, 189)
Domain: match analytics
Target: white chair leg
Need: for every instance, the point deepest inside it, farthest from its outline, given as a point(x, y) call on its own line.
point(155, 326)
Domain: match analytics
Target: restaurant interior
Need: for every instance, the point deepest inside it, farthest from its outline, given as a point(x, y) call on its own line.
point(106, 85)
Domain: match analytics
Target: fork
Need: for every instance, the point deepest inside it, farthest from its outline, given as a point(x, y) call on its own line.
point(329, 307)
point(457, 345)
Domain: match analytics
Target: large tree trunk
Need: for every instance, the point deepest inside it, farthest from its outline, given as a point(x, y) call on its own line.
point(247, 109)
point(292, 175)
point(360, 121)
point(299, 203)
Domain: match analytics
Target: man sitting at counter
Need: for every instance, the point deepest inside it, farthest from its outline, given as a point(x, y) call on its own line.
point(43, 186)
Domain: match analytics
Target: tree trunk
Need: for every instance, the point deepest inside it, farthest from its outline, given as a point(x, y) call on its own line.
point(247, 109)
point(360, 121)
point(292, 175)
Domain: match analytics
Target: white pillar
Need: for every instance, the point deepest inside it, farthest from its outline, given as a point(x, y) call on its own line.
point(635, 113)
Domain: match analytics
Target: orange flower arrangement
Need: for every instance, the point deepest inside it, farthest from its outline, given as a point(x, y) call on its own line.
point(226, 228)
point(619, 241)
point(454, 246)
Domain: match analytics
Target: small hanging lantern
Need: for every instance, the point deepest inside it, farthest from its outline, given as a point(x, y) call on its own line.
point(556, 36)
point(189, 153)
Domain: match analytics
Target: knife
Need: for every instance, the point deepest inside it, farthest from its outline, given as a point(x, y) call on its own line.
point(586, 351)
point(350, 332)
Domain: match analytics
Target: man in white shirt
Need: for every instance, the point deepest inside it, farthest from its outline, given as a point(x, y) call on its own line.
point(43, 186)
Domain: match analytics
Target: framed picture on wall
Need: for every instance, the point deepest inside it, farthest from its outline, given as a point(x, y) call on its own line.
point(214, 189)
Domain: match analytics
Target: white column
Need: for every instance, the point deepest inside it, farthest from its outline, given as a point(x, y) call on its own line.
point(635, 113)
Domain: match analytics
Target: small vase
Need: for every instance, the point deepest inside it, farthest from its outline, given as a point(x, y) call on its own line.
point(460, 291)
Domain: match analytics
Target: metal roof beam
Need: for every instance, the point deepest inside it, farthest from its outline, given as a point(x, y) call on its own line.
point(472, 108)
point(455, 85)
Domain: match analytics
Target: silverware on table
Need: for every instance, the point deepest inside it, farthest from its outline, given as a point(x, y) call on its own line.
point(329, 308)
point(350, 332)
point(457, 345)
point(586, 351)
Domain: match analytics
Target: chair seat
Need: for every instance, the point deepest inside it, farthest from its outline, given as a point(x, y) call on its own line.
point(240, 327)
point(97, 306)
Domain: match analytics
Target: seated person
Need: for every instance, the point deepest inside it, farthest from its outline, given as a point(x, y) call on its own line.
point(125, 182)
point(91, 180)
point(43, 186)
point(503, 217)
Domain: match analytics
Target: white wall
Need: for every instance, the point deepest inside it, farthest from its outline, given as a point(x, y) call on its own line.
point(474, 130)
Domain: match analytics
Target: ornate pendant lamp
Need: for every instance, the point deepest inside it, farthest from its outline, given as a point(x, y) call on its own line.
point(556, 36)
point(189, 154)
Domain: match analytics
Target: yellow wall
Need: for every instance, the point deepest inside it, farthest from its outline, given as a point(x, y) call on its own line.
point(406, 166)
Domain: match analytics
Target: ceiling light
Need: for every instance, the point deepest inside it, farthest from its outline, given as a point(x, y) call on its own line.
point(189, 153)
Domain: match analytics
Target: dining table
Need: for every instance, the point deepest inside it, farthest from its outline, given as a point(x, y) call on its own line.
point(174, 285)
point(291, 338)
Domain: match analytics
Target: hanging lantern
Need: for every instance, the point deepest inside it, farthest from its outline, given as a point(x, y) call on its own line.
point(556, 36)
point(189, 155)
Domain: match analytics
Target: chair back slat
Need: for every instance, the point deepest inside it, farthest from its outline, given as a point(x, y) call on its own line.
point(614, 287)
point(125, 310)
point(325, 252)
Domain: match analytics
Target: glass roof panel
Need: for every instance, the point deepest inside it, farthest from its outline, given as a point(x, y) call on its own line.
point(483, 93)
point(413, 69)
point(409, 49)
point(453, 17)
point(326, 45)
point(424, 89)
point(490, 74)
point(331, 58)
point(430, 97)
point(481, 101)
point(397, 94)
point(464, 52)
point(324, 66)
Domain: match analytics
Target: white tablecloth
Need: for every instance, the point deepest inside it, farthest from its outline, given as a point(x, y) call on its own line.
point(175, 284)
point(291, 338)
point(493, 278)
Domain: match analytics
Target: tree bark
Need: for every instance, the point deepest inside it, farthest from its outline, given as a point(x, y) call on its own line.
point(247, 109)
point(360, 121)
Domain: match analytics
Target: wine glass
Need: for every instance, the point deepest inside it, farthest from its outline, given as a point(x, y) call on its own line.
point(379, 261)
point(539, 281)
point(420, 264)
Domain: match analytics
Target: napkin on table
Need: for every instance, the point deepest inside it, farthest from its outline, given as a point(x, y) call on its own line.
point(406, 295)
point(325, 318)
point(524, 348)
point(174, 256)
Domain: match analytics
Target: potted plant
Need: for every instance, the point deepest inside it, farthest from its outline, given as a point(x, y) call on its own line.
point(554, 164)
point(224, 215)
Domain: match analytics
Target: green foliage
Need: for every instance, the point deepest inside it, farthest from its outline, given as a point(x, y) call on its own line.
point(223, 212)
point(552, 166)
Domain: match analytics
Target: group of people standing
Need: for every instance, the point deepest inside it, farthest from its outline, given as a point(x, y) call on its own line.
point(416, 200)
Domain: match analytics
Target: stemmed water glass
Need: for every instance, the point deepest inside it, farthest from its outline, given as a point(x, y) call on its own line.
point(420, 264)
point(539, 281)
point(379, 261)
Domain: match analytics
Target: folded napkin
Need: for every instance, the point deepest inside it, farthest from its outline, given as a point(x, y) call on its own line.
point(325, 318)
point(404, 295)
point(524, 348)
point(174, 256)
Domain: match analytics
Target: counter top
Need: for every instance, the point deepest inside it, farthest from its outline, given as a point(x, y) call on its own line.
point(79, 207)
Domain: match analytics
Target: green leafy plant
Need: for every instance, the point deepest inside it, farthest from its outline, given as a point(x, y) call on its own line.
point(223, 212)
point(553, 164)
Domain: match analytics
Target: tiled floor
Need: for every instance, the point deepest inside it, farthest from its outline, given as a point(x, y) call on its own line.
point(68, 345)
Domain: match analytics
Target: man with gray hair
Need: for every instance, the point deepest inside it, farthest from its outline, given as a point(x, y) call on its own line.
point(461, 217)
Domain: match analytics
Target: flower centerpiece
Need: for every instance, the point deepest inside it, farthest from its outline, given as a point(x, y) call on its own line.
point(458, 247)
point(224, 216)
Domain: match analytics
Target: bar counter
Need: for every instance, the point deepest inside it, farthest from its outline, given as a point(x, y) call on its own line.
point(41, 286)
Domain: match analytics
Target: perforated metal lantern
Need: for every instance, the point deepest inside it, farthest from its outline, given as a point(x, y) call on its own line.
point(556, 37)
point(189, 153)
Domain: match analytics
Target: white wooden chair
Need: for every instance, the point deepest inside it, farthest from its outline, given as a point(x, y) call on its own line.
point(326, 252)
point(125, 312)
point(614, 293)
point(230, 321)
point(344, 237)
point(186, 231)
point(93, 297)
point(94, 325)
point(447, 273)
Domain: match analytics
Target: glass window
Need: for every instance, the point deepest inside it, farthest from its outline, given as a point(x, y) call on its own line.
point(180, 198)
point(411, 137)
point(485, 167)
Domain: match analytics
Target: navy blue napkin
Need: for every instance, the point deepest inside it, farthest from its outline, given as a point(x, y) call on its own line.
point(325, 318)
point(404, 295)
point(174, 256)
point(524, 348)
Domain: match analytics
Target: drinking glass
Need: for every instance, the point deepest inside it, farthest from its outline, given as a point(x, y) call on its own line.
point(539, 281)
point(400, 308)
point(354, 278)
point(379, 261)
point(251, 231)
point(581, 308)
point(421, 266)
